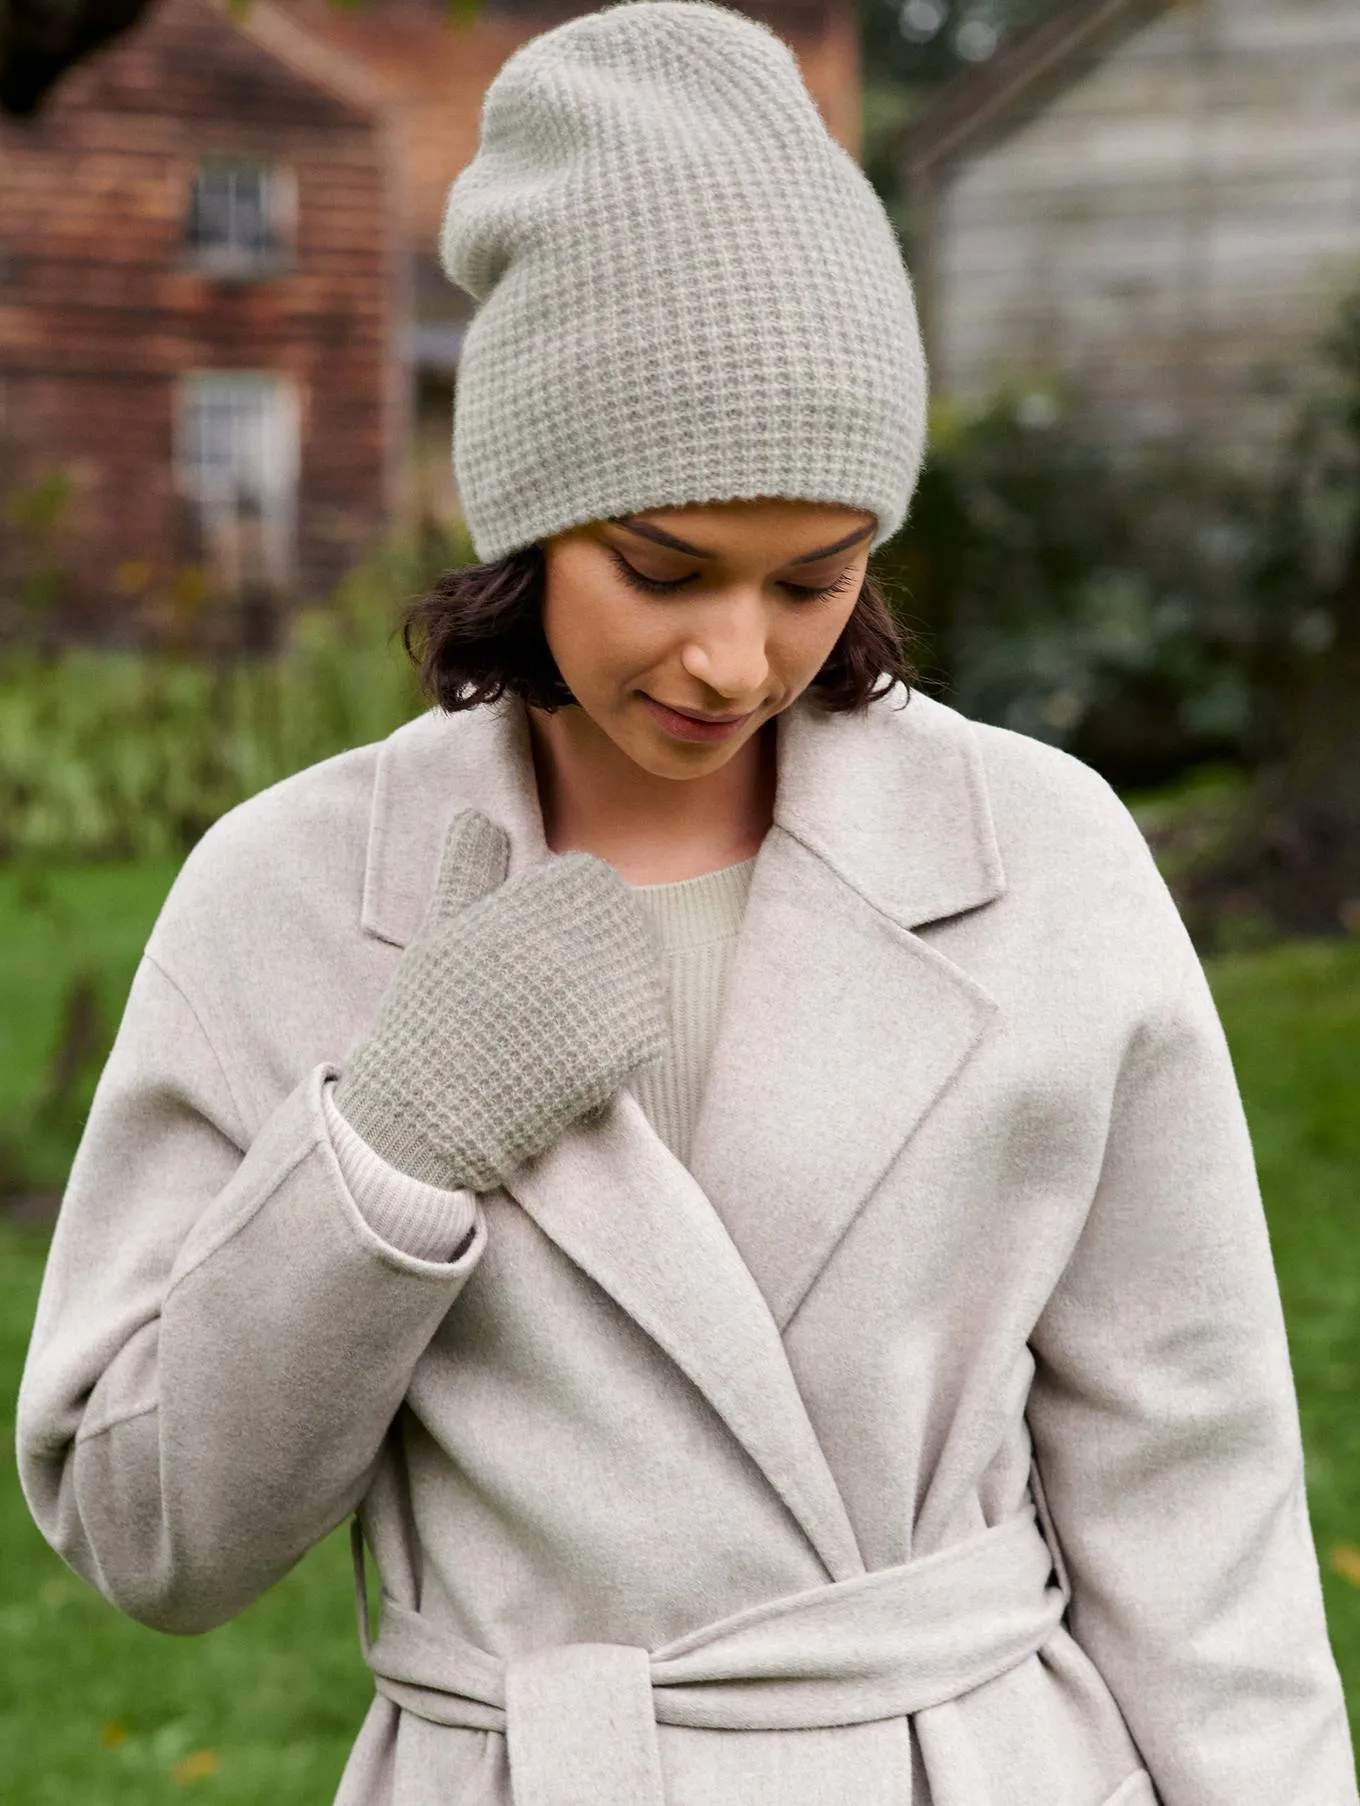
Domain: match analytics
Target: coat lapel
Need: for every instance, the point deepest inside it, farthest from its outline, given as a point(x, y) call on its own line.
point(840, 1028)
point(427, 772)
point(617, 1202)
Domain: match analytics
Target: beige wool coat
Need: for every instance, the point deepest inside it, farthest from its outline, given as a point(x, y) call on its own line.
point(930, 1440)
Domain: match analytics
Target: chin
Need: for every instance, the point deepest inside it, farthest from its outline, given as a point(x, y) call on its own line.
point(682, 763)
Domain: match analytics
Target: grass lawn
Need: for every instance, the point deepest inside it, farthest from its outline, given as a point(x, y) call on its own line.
point(96, 1709)
point(57, 926)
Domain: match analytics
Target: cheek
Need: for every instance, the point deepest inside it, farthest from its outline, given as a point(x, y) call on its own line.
point(809, 635)
point(596, 636)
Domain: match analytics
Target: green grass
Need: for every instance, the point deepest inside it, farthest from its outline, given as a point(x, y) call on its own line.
point(1292, 1014)
point(56, 924)
point(97, 1709)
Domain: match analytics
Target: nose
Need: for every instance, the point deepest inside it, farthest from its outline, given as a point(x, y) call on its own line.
point(727, 652)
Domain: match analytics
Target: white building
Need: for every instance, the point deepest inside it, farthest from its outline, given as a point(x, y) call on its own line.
point(1156, 199)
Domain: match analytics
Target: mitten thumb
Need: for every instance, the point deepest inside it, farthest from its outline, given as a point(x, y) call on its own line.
point(473, 863)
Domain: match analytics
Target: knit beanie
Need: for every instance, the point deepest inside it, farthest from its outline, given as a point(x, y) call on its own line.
point(686, 290)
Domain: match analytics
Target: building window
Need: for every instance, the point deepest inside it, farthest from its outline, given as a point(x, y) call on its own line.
point(241, 217)
point(236, 465)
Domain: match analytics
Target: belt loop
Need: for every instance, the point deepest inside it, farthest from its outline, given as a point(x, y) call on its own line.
point(580, 1725)
point(356, 1540)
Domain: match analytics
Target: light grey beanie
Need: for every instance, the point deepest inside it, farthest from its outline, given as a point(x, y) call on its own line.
point(687, 290)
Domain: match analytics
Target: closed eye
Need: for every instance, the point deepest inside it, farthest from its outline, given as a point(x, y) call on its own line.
point(655, 586)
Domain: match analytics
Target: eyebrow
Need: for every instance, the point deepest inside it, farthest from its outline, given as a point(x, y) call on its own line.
point(663, 538)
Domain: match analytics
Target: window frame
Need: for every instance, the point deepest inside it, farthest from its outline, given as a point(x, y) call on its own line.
point(218, 515)
point(277, 209)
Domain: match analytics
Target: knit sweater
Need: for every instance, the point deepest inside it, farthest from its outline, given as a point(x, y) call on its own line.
point(697, 922)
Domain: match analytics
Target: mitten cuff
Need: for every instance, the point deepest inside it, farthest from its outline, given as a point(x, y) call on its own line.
point(425, 1220)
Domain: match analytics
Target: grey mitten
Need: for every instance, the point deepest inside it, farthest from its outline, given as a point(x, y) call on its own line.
point(519, 1007)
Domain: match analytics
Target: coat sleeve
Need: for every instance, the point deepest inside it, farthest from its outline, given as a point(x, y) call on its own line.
point(1166, 1432)
point(221, 1339)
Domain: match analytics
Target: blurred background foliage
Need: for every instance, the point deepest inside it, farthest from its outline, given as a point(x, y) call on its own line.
point(909, 49)
point(132, 752)
point(1172, 624)
point(1191, 631)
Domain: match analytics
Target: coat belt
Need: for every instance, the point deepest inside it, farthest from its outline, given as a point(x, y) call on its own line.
point(580, 1718)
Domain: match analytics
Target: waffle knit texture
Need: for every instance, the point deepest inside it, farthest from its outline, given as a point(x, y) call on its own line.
point(507, 1020)
point(686, 290)
point(697, 922)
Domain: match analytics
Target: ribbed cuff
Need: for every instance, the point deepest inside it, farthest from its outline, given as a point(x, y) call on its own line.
point(422, 1220)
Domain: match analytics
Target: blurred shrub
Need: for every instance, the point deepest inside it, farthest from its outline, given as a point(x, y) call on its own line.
point(1104, 603)
point(111, 754)
point(1150, 611)
point(1307, 572)
point(1161, 616)
point(1152, 614)
point(35, 519)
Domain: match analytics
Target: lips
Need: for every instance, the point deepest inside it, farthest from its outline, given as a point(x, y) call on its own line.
point(693, 715)
point(702, 728)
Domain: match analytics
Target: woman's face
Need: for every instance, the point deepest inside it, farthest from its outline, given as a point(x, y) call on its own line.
point(715, 609)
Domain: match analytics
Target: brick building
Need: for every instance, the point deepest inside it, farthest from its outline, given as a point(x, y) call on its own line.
point(221, 313)
point(199, 306)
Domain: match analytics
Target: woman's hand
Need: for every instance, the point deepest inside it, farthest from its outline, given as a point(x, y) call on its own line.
point(519, 1007)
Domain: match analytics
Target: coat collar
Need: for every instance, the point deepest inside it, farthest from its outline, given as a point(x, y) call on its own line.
point(845, 785)
point(840, 1028)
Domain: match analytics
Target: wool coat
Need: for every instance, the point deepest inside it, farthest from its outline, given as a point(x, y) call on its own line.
point(929, 1440)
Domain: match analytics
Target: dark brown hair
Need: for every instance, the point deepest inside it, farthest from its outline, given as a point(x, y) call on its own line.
point(478, 635)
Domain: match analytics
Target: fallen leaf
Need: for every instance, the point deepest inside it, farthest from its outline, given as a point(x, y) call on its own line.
point(196, 1767)
point(1346, 1562)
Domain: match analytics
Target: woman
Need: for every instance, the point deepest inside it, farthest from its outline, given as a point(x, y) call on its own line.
point(876, 1392)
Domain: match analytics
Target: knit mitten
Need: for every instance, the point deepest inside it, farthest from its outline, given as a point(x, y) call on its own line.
point(518, 1007)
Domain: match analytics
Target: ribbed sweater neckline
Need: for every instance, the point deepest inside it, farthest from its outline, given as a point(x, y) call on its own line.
point(692, 912)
